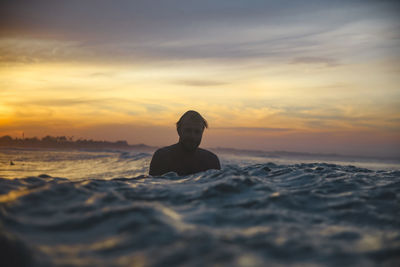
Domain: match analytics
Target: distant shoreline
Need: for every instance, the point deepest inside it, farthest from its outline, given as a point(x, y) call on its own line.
point(65, 143)
point(94, 149)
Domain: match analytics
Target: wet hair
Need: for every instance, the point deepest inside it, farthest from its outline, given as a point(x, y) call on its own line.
point(193, 116)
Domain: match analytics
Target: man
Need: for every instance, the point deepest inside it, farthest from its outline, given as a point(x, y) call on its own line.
point(185, 157)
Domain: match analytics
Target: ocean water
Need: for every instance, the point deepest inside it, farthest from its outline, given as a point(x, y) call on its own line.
point(77, 208)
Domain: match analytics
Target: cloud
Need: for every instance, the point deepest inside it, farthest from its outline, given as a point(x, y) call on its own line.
point(32, 50)
point(103, 74)
point(201, 83)
point(148, 32)
point(341, 117)
point(328, 62)
point(58, 102)
point(78, 109)
point(156, 108)
point(166, 18)
point(254, 129)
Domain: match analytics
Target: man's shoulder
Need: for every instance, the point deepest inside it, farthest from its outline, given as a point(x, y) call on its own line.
point(165, 150)
point(207, 153)
point(209, 159)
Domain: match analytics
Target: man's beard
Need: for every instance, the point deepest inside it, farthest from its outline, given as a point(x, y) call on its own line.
point(190, 145)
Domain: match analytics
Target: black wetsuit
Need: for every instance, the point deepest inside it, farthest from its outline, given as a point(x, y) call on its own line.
point(174, 158)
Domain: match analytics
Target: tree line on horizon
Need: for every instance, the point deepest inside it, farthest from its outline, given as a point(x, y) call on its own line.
point(59, 142)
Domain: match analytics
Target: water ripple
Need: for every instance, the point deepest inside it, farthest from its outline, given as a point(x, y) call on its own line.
point(301, 214)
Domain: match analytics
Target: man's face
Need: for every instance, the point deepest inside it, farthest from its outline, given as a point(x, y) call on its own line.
point(190, 134)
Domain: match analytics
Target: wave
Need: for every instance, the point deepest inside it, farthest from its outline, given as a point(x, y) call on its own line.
point(134, 155)
point(299, 214)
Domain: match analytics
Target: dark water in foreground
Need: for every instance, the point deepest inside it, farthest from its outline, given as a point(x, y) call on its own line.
point(313, 214)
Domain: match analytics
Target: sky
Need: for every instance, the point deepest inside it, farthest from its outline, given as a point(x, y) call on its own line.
point(307, 76)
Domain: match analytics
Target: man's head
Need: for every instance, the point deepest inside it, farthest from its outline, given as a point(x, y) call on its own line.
point(190, 128)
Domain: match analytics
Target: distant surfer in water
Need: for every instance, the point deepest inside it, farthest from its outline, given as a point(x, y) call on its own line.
point(185, 157)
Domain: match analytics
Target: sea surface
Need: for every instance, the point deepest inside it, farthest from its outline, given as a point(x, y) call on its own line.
point(82, 208)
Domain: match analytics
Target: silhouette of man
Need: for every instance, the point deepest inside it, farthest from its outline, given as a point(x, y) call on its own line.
point(185, 157)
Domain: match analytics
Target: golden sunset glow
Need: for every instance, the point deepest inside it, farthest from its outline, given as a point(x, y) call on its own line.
point(322, 83)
